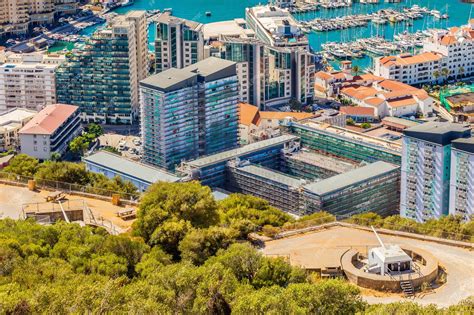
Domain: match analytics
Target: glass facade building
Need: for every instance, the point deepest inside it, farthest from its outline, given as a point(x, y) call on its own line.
point(102, 77)
point(190, 112)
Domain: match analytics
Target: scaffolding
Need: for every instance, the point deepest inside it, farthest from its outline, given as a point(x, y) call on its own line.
point(280, 190)
point(314, 166)
point(346, 144)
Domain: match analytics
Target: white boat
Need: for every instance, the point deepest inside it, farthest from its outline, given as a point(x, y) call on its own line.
point(127, 3)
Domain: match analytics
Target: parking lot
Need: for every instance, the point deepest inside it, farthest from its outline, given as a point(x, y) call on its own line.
point(129, 146)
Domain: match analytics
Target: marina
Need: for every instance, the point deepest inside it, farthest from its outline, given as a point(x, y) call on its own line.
point(359, 20)
point(376, 46)
point(378, 26)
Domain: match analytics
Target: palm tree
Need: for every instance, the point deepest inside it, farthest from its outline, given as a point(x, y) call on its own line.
point(461, 71)
point(356, 70)
point(445, 73)
point(436, 75)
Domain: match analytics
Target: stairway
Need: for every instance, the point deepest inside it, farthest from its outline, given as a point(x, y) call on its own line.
point(407, 288)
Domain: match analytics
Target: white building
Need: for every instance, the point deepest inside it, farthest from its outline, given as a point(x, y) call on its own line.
point(50, 131)
point(10, 123)
point(426, 161)
point(447, 54)
point(275, 26)
point(28, 80)
point(461, 194)
point(178, 44)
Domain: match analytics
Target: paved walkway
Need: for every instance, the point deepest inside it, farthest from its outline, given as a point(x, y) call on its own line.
point(458, 262)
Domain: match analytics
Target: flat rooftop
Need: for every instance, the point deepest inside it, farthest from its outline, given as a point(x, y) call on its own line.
point(388, 145)
point(439, 132)
point(232, 154)
point(211, 69)
point(230, 28)
point(129, 168)
point(464, 144)
point(323, 161)
point(350, 178)
point(271, 175)
point(460, 100)
point(14, 118)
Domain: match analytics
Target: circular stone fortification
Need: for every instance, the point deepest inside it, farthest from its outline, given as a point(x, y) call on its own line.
point(426, 272)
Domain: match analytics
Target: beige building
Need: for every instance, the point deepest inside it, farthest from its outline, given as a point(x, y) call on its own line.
point(27, 80)
point(16, 16)
point(255, 125)
point(10, 123)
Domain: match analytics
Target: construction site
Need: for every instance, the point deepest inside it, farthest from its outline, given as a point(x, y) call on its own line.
point(459, 103)
point(309, 169)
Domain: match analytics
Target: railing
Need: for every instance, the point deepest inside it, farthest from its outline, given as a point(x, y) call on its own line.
point(70, 188)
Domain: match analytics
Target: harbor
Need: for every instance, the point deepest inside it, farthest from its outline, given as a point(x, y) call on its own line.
point(376, 46)
point(382, 16)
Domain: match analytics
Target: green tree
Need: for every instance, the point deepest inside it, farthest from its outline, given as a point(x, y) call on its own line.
point(23, 165)
point(55, 157)
point(169, 234)
point(79, 145)
point(248, 213)
point(200, 244)
point(75, 173)
point(95, 130)
point(295, 105)
point(276, 271)
point(180, 201)
point(356, 70)
point(436, 75)
point(461, 71)
point(366, 125)
point(445, 73)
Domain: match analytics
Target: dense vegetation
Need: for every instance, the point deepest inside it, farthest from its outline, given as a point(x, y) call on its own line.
point(68, 172)
point(450, 227)
point(80, 144)
point(188, 254)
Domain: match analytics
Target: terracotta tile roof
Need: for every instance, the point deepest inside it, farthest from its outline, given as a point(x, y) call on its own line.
point(282, 115)
point(448, 40)
point(48, 120)
point(360, 93)
point(402, 102)
point(392, 85)
point(248, 114)
point(357, 110)
point(323, 75)
point(374, 101)
point(370, 77)
point(410, 60)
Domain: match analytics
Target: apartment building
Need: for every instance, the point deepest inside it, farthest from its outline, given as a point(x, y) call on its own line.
point(178, 44)
point(50, 131)
point(17, 16)
point(103, 77)
point(275, 26)
point(426, 162)
point(28, 80)
point(189, 112)
point(270, 76)
point(461, 188)
point(446, 54)
point(10, 124)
